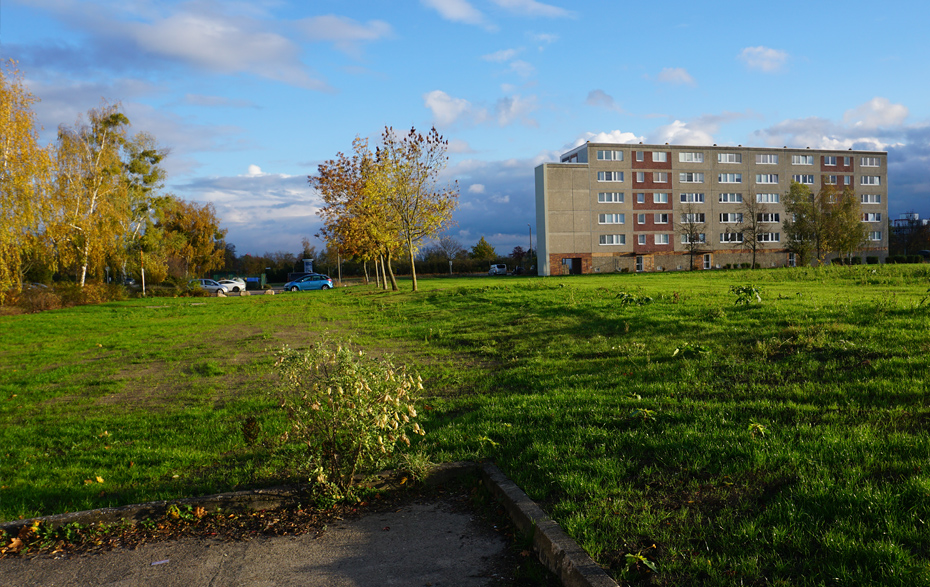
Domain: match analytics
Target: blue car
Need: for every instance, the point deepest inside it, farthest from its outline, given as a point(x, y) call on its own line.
point(307, 282)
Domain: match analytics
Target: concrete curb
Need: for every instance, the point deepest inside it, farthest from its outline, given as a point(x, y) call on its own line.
point(553, 547)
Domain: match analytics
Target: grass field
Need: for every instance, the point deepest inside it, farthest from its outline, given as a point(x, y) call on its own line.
point(781, 442)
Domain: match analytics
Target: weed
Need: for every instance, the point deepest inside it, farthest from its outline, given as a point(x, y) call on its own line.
point(746, 294)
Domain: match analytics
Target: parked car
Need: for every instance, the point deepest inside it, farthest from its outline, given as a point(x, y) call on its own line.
point(233, 284)
point(208, 284)
point(925, 254)
point(498, 270)
point(308, 282)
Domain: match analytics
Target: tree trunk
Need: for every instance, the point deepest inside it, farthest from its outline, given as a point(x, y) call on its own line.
point(365, 266)
point(413, 266)
point(390, 271)
point(379, 272)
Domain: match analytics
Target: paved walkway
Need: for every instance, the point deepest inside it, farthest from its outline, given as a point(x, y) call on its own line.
point(437, 544)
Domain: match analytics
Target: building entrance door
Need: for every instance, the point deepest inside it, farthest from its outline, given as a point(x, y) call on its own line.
point(575, 267)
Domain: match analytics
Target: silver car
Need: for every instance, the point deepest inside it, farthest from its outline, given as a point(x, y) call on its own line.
point(209, 285)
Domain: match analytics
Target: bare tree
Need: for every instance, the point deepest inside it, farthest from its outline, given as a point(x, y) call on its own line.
point(691, 229)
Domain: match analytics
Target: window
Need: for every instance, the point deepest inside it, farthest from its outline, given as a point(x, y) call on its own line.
point(872, 217)
point(692, 198)
point(802, 159)
point(870, 180)
point(611, 218)
point(805, 179)
point(660, 198)
point(690, 157)
point(730, 198)
point(640, 177)
point(610, 155)
point(660, 218)
point(640, 198)
point(640, 219)
point(613, 239)
point(769, 237)
point(767, 159)
point(870, 162)
point(707, 259)
point(829, 179)
point(729, 157)
point(610, 198)
point(847, 161)
point(609, 176)
point(730, 217)
point(639, 155)
point(692, 218)
point(768, 217)
point(875, 235)
point(641, 239)
point(659, 157)
point(661, 239)
point(730, 178)
point(766, 178)
point(871, 198)
point(731, 237)
point(639, 260)
point(829, 160)
point(847, 180)
point(768, 198)
point(660, 177)
point(792, 260)
point(698, 238)
point(691, 177)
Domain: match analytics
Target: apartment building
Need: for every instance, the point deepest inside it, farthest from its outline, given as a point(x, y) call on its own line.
point(622, 207)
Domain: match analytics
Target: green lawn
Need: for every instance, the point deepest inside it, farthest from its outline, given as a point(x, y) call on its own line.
point(775, 443)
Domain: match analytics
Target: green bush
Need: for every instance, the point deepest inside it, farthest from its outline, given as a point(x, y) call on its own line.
point(350, 412)
point(871, 260)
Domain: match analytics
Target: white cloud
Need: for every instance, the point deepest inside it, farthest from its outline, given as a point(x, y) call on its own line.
point(502, 55)
point(216, 101)
point(476, 188)
point(500, 199)
point(544, 39)
point(614, 136)
point(515, 108)
point(522, 68)
point(255, 170)
point(457, 11)
point(345, 33)
point(675, 75)
point(448, 110)
point(601, 99)
point(533, 8)
point(458, 146)
point(680, 133)
point(763, 58)
point(877, 112)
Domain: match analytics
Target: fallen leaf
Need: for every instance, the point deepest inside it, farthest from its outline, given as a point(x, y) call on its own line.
point(15, 545)
point(99, 479)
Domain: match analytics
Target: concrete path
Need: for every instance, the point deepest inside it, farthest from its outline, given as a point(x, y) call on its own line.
point(432, 544)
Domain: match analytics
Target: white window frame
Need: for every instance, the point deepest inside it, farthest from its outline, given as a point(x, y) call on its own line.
point(640, 177)
point(872, 217)
point(768, 217)
point(731, 217)
point(870, 162)
point(610, 176)
point(769, 237)
point(766, 159)
point(641, 239)
point(640, 219)
point(611, 218)
point(802, 159)
point(692, 198)
point(691, 177)
point(686, 240)
point(731, 237)
point(660, 198)
point(730, 198)
point(806, 179)
point(612, 239)
point(768, 198)
point(610, 198)
point(829, 179)
point(847, 161)
point(609, 155)
point(730, 178)
point(660, 218)
point(660, 157)
point(870, 180)
point(729, 157)
point(690, 157)
point(870, 198)
point(639, 156)
point(661, 239)
point(692, 217)
point(660, 177)
point(639, 262)
point(829, 160)
point(848, 180)
point(875, 235)
point(767, 178)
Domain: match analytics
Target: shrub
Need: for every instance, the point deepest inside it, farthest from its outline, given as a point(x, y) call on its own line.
point(871, 260)
point(857, 260)
point(350, 412)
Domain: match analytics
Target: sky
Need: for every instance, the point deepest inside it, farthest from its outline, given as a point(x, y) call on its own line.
point(250, 97)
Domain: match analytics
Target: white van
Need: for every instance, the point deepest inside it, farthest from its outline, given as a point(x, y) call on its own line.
point(498, 270)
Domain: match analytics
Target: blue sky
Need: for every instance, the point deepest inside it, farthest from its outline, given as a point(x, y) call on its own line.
point(251, 96)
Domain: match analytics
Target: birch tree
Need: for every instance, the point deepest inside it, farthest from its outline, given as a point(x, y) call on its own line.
point(24, 180)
